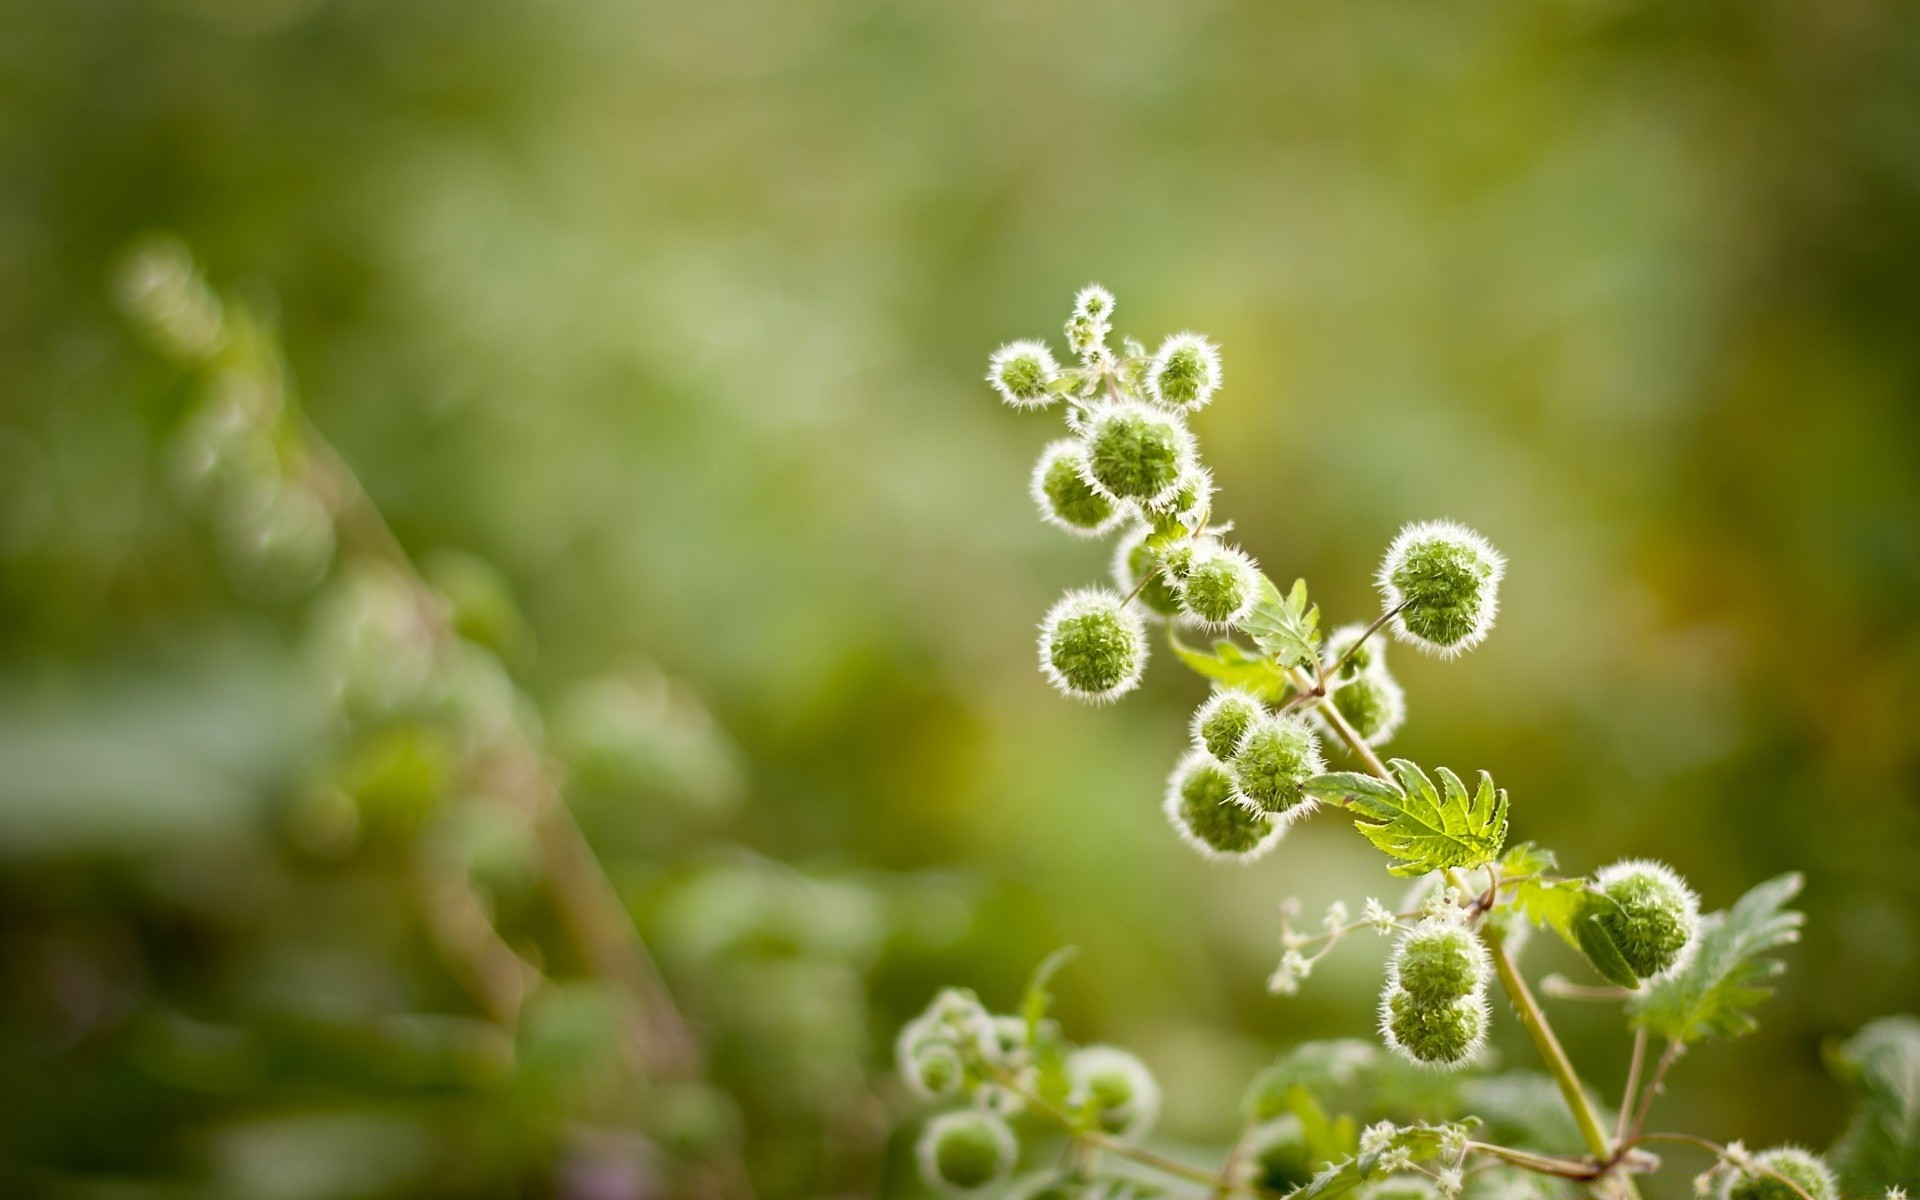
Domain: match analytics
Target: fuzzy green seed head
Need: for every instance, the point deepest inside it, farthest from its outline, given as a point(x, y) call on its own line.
point(1220, 587)
point(1371, 655)
point(1189, 500)
point(1220, 723)
point(1204, 813)
point(1185, 373)
point(1021, 373)
point(1807, 1170)
point(1090, 323)
point(1136, 453)
point(1438, 961)
point(1433, 1034)
point(1658, 919)
point(1373, 704)
point(1092, 646)
point(1445, 580)
point(966, 1150)
point(1274, 760)
point(1117, 1087)
point(1133, 559)
point(1064, 496)
point(1277, 1156)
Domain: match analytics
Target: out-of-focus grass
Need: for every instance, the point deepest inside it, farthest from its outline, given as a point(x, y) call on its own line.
point(677, 316)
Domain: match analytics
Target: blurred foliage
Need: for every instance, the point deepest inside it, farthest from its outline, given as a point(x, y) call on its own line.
point(667, 322)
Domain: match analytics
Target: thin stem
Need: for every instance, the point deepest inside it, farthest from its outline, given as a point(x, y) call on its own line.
point(1535, 1022)
point(1719, 1152)
point(1565, 1168)
point(1632, 1087)
point(1360, 641)
point(1655, 1085)
point(1113, 1145)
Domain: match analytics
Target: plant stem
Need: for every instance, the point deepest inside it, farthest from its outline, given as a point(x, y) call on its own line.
point(1632, 1087)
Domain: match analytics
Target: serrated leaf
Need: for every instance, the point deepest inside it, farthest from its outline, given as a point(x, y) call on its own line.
point(1423, 828)
point(1569, 907)
point(1232, 665)
point(1730, 972)
point(1286, 627)
point(1880, 1147)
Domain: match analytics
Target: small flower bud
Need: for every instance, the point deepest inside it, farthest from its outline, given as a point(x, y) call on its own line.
point(1092, 647)
point(1658, 919)
point(1275, 1156)
point(1200, 804)
point(1220, 587)
point(1090, 323)
point(1374, 705)
point(1117, 1086)
point(1376, 915)
point(1438, 961)
point(965, 1150)
point(1185, 373)
point(1807, 1170)
point(1192, 498)
point(1220, 723)
point(1064, 496)
point(1133, 558)
point(1445, 580)
point(1434, 1034)
point(1136, 453)
point(1369, 656)
point(1021, 371)
point(1274, 760)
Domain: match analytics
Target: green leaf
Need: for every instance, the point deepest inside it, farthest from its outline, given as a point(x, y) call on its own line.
point(1286, 627)
point(1569, 907)
point(1233, 666)
point(1322, 1067)
point(1037, 998)
point(1421, 826)
point(1523, 1109)
point(1043, 1036)
point(1730, 972)
point(1419, 1142)
point(1880, 1147)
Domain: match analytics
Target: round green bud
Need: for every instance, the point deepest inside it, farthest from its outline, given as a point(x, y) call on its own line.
point(1185, 373)
point(1273, 762)
point(1220, 587)
point(1369, 656)
point(1276, 1156)
point(1204, 813)
point(1805, 1169)
point(1116, 1087)
point(1188, 501)
point(1021, 372)
point(1220, 723)
point(1445, 581)
point(1373, 704)
point(1065, 498)
point(1136, 453)
point(1433, 1034)
point(1090, 323)
point(1658, 917)
point(1092, 646)
point(1437, 961)
point(1133, 558)
point(966, 1150)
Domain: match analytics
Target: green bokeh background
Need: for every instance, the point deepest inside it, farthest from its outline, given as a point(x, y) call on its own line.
point(676, 314)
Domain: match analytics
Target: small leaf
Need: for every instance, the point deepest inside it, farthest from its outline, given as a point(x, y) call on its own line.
point(1590, 937)
point(1037, 998)
point(1569, 907)
point(1880, 1147)
point(1326, 1066)
point(1352, 789)
point(1426, 831)
point(1286, 627)
point(1233, 666)
point(1730, 972)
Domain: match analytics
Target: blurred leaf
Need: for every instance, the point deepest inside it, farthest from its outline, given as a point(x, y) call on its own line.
point(1232, 665)
point(1286, 627)
point(1880, 1147)
point(1729, 973)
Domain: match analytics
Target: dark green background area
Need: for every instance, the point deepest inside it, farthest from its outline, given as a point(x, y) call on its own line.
point(677, 314)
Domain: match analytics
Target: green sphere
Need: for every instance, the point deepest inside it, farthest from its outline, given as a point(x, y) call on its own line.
point(1274, 761)
point(1373, 704)
point(1064, 496)
point(1117, 1087)
point(1220, 586)
point(1136, 453)
point(1439, 961)
point(966, 1150)
point(1220, 723)
point(1444, 579)
point(1805, 1169)
point(1091, 647)
point(1132, 560)
point(1200, 803)
point(1435, 1034)
point(1658, 916)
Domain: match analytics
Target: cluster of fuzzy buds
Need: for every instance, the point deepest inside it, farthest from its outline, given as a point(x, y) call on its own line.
point(1360, 688)
point(1234, 794)
point(945, 1050)
point(1130, 465)
point(1434, 1008)
point(1764, 1176)
point(1441, 582)
point(1656, 923)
